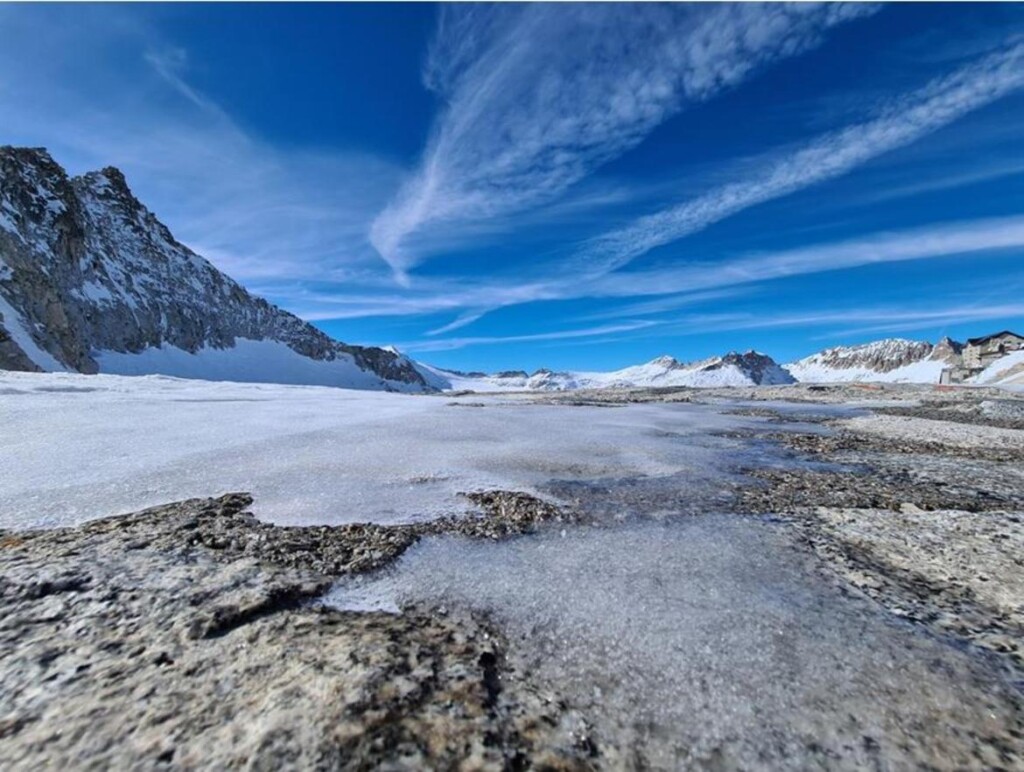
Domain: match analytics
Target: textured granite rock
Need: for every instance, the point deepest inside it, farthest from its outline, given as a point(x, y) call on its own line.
point(924, 514)
point(189, 635)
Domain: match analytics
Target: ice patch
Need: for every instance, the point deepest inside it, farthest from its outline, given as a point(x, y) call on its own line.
point(97, 293)
point(707, 639)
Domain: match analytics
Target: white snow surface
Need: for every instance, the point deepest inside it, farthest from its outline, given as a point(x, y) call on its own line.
point(76, 447)
point(1005, 371)
point(925, 371)
point(692, 636)
point(248, 361)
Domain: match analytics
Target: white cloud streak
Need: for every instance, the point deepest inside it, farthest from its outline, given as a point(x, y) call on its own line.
point(917, 244)
point(538, 95)
point(448, 344)
point(879, 319)
point(169, 63)
point(674, 286)
point(669, 303)
point(258, 211)
point(678, 287)
point(906, 120)
point(462, 320)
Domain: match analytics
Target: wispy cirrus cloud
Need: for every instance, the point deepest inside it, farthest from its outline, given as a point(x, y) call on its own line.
point(902, 122)
point(671, 287)
point(170, 63)
point(462, 320)
point(448, 344)
point(936, 241)
point(537, 96)
point(875, 319)
point(670, 303)
point(871, 320)
point(102, 86)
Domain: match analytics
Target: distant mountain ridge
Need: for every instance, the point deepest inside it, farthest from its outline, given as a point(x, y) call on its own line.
point(91, 281)
point(892, 359)
point(896, 360)
point(733, 369)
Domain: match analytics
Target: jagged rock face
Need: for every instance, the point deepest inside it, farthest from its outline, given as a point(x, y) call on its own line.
point(760, 368)
point(11, 355)
point(881, 356)
point(89, 268)
point(947, 350)
point(194, 639)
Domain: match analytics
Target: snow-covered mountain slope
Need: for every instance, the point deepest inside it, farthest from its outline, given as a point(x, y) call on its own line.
point(1006, 371)
point(893, 360)
point(91, 281)
point(733, 369)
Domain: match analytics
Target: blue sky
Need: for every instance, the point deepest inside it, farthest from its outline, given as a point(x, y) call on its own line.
point(571, 186)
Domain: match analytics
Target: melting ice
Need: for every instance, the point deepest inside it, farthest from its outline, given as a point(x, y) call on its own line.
point(704, 641)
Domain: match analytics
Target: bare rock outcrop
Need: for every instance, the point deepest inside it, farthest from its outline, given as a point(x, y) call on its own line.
point(189, 635)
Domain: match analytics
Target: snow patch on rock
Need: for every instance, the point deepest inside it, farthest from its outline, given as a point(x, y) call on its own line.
point(893, 360)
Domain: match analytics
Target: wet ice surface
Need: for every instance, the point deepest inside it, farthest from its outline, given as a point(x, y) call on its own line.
point(705, 641)
point(76, 447)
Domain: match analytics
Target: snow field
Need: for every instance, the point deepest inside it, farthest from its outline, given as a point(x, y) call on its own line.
point(77, 447)
point(249, 361)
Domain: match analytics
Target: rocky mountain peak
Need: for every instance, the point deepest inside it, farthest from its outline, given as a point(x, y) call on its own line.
point(760, 368)
point(665, 361)
point(20, 159)
point(109, 185)
point(750, 357)
point(36, 196)
point(880, 355)
point(947, 350)
point(87, 270)
point(114, 176)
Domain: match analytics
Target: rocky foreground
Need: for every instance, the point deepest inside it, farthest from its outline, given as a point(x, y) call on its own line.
point(188, 635)
point(191, 635)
